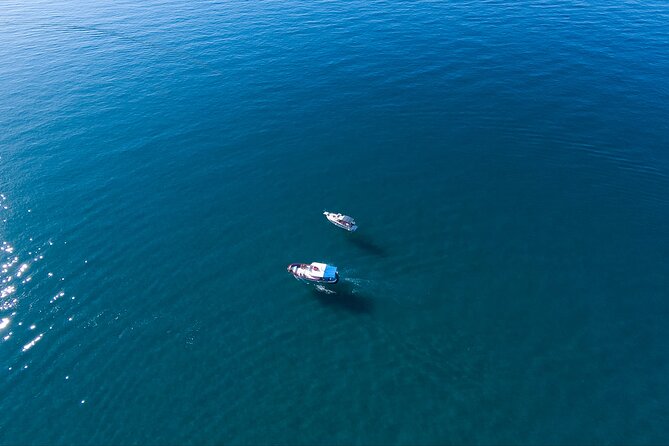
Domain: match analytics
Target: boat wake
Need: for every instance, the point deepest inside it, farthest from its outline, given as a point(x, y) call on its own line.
point(324, 290)
point(348, 286)
point(357, 282)
point(344, 297)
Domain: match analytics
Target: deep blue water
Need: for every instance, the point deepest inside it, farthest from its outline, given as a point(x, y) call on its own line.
point(162, 161)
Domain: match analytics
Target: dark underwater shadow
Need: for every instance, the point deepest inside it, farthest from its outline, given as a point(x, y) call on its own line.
point(342, 296)
point(365, 243)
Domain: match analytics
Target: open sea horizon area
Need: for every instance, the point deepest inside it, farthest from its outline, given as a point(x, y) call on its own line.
point(162, 163)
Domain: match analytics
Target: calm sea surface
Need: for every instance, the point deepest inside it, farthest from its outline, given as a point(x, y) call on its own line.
point(161, 162)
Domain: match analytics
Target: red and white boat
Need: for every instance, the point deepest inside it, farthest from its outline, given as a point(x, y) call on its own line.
point(314, 272)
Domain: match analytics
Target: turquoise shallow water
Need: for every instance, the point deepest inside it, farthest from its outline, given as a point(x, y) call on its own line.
point(161, 163)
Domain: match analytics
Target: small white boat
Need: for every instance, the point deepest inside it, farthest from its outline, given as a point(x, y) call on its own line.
point(341, 220)
point(314, 272)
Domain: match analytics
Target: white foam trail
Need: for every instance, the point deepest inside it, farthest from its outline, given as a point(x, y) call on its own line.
point(322, 289)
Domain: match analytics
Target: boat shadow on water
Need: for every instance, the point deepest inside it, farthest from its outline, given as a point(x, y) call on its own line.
point(345, 297)
point(366, 244)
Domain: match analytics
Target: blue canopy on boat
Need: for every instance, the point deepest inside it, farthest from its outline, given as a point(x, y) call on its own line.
point(330, 272)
